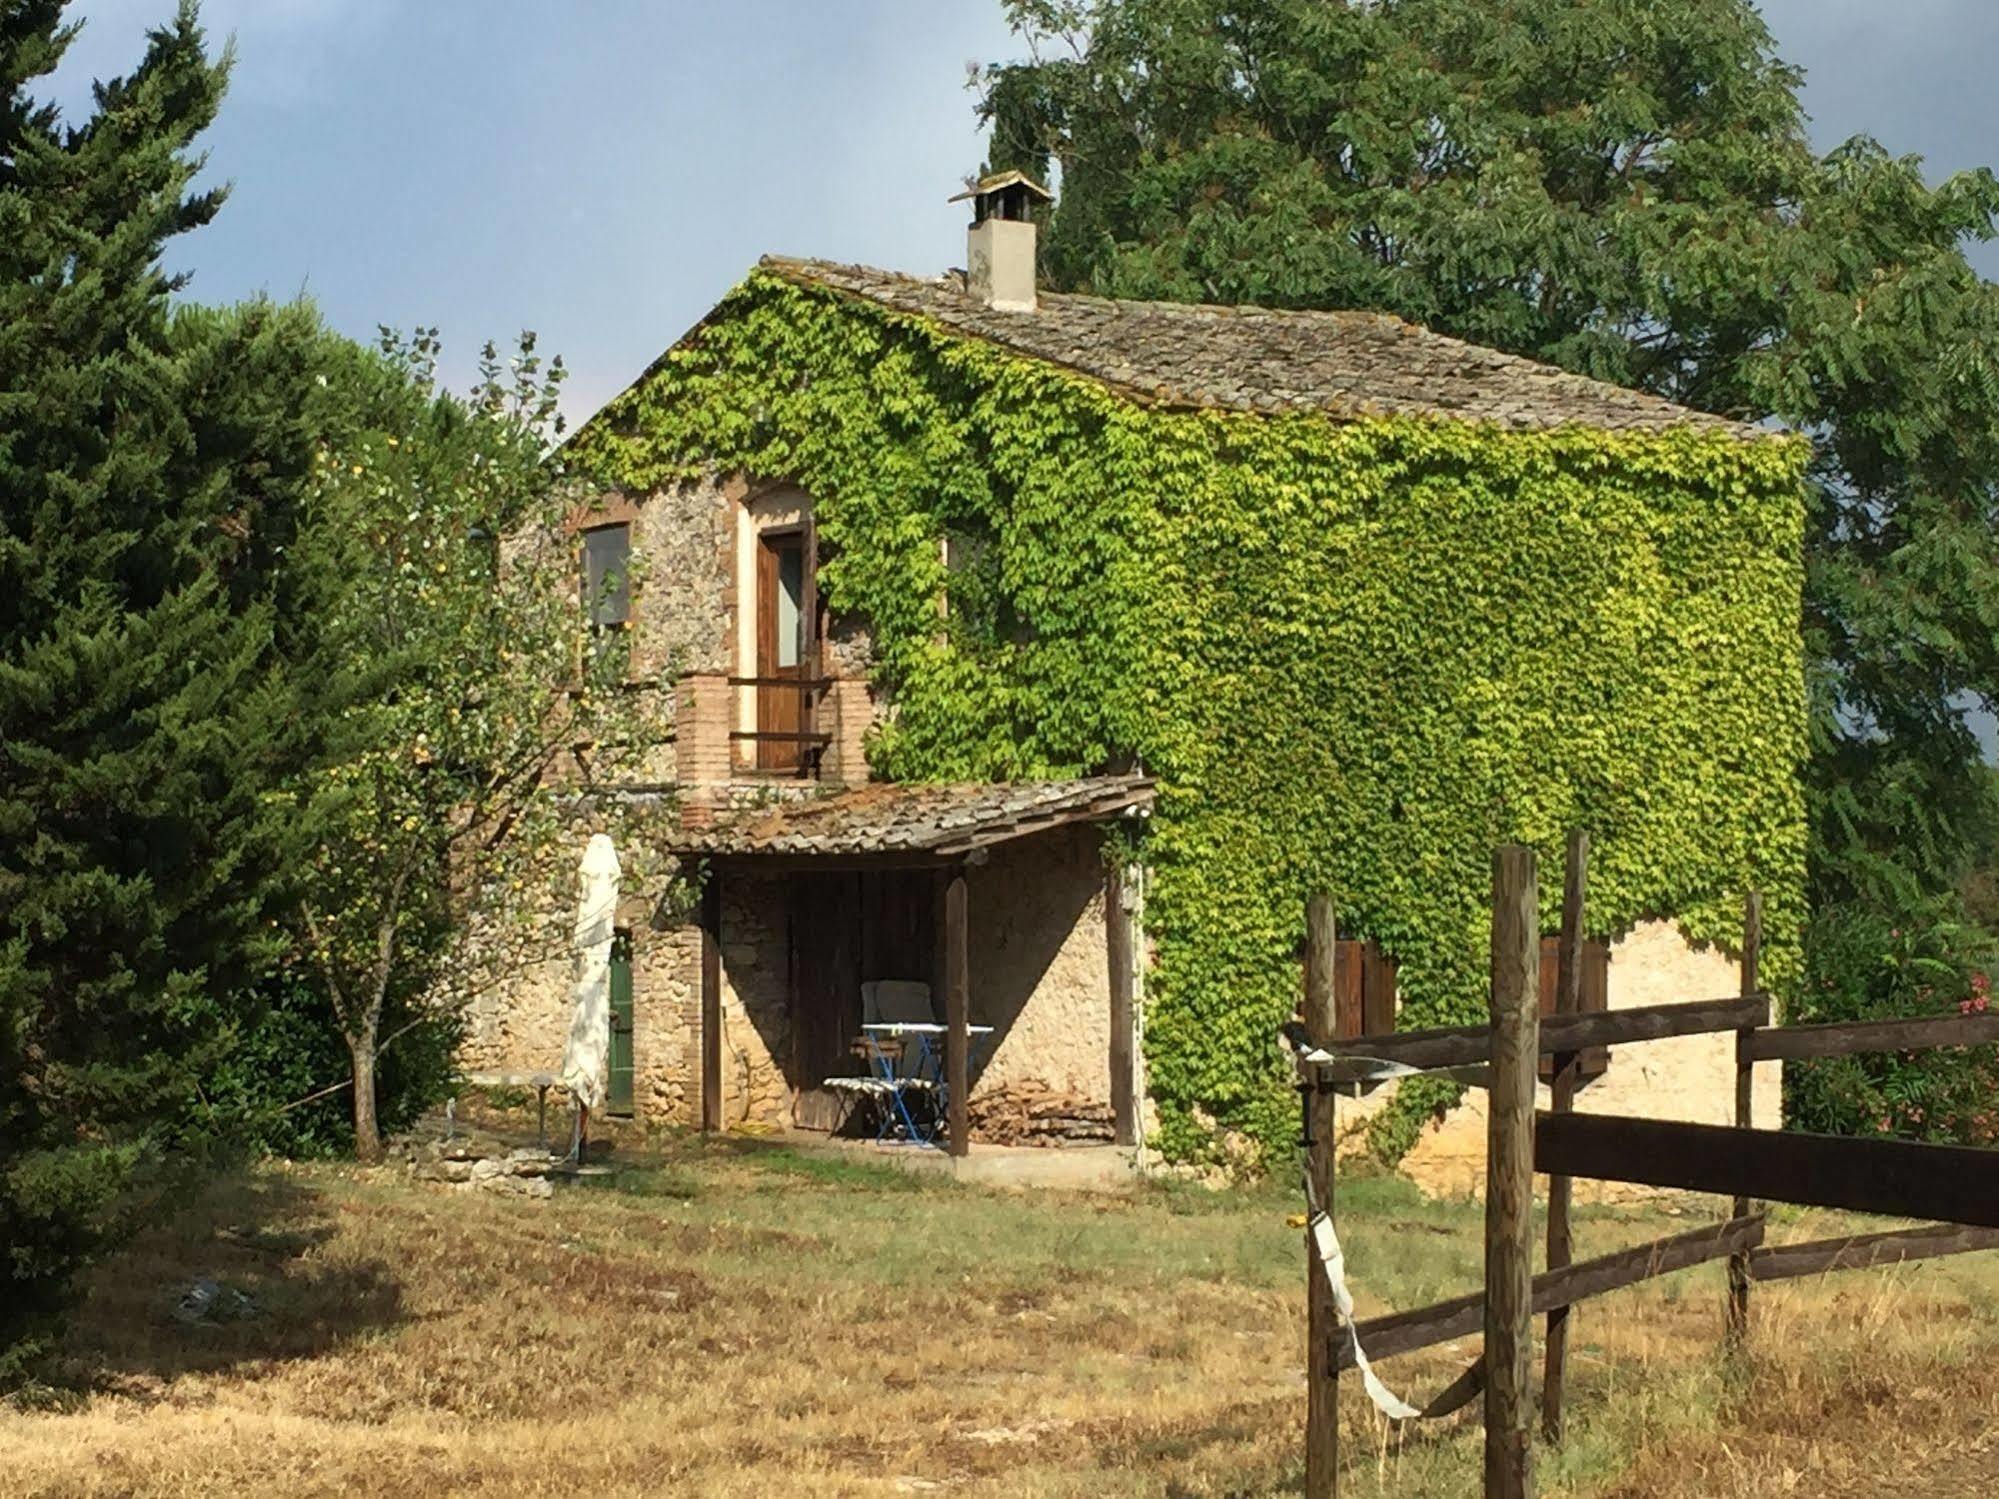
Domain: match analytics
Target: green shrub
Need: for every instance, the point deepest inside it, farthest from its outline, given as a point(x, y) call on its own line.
point(295, 1050)
point(1868, 966)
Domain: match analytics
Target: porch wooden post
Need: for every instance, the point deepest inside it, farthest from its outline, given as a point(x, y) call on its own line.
point(1568, 1000)
point(957, 1013)
point(711, 1002)
point(1745, 1101)
point(1509, 1175)
point(1117, 937)
point(1322, 1318)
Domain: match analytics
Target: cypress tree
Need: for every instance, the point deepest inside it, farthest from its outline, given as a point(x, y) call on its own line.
point(136, 690)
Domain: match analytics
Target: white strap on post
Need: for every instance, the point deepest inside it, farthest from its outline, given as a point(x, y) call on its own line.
point(1326, 1245)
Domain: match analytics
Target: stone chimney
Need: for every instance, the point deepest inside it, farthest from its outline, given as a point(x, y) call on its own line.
point(999, 247)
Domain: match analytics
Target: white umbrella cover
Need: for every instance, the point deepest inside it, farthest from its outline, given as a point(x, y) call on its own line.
point(589, 1045)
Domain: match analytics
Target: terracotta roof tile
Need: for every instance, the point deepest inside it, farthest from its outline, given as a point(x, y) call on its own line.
point(935, 819)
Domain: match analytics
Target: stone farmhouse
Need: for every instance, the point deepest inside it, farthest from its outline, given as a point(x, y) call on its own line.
point(874, 800)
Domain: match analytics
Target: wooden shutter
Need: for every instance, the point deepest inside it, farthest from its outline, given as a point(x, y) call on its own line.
point(1363, 989)
point(618, 1092)
point(1593, 997)
point(1378, 972)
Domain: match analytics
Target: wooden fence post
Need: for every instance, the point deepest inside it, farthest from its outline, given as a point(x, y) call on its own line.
point(1568, 1000)
point(711, 1003)
point(1509, 1175)
point(1322, 1378)
point(957, 1014)
point(1745, 1098)
point(1118, 942)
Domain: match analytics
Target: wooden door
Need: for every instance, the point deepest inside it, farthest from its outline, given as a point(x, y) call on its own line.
point(784, 648)
point(1593, 991)
point(898, 927)
point(618, 1090)
point(825, 923)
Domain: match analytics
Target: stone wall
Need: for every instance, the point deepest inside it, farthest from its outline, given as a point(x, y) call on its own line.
point(1039, 970)
point(756, 1004)
point(694, 550)
point(683, 545)
point(1040, 966)
point(692, 542)
point(519, 1022)
point(1689, 1078)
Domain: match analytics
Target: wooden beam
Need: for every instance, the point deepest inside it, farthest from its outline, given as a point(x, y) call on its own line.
point(1459, 1393)
point(1745, 1109)
point(766, 865)
point(957, 1013)
point(711, 1002)
point(1509, 1175)
point(1466, 1045)
point(1322, 1325)
point(1949, 1183)
point(1861, 1251)
point(1447, 1321)
point(1849, 1038)
point(1099, 808)
point(1124, 1071)
point(1568, 1001)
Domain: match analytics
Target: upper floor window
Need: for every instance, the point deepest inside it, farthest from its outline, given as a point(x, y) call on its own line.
point(607, 580)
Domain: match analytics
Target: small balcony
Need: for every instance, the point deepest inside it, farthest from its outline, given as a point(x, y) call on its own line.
point(789, 738)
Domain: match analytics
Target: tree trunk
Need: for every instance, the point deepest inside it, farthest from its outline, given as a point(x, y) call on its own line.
point(367, 1136)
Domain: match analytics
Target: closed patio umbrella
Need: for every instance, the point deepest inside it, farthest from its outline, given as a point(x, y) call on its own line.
point(583, 1058)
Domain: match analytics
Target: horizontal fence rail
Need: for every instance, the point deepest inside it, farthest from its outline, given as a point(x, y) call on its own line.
point(1405, 1332)
point(1955, 1183)
point(1864, 1251)
point(1852, 1038)
point(1533, 1012)
point(1471, 1045)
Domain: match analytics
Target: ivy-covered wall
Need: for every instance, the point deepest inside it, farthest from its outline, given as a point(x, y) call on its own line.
point(1355, 654)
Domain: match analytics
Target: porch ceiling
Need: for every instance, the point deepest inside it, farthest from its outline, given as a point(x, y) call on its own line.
point(916, 823)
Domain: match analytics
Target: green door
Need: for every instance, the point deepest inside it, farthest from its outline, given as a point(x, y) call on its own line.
point(619, 1097)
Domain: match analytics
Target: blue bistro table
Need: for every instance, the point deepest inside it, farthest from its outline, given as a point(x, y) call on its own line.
point(915, 1066)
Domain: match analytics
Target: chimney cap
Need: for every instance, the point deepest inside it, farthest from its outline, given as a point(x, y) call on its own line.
point(998, 180)
point(1004, 195)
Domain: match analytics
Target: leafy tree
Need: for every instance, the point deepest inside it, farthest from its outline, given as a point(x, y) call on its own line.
point(134, 671)
point(455, 760)
point(1624, 189)
point(269, 390)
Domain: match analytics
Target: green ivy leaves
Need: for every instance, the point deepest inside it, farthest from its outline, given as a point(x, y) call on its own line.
point(1357, 655)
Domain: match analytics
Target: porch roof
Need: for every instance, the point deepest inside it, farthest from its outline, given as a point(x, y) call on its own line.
point(921, 822)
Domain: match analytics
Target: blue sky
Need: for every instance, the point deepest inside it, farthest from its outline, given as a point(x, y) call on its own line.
point(602, 170)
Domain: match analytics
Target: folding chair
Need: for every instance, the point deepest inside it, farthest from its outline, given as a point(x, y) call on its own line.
point(901, 1002)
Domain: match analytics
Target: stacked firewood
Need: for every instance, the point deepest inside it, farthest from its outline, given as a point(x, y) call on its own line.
point(1032, 1113)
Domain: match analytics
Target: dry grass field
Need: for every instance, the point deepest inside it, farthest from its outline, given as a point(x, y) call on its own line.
point(741, 1318)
